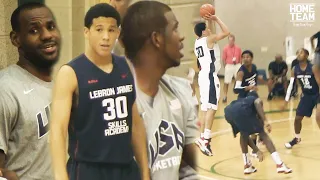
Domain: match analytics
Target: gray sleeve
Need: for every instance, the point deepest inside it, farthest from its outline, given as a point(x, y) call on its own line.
point(191, 129)
point(8, 117)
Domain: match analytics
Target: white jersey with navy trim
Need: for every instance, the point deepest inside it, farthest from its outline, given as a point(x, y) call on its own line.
point(206, 56)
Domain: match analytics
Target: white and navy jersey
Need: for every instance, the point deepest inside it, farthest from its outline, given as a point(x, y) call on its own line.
point(100, 126)
point(24, 123)
point(170, 125)
point(309, 85)
point(206, 56)
point(250, 78)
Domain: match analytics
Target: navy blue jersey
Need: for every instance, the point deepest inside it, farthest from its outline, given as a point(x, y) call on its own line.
point(306, 78)
point(101, 120)
point(249, 79)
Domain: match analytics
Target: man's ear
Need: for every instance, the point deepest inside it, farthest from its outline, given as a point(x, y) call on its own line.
point(15, 39)
point(157, 39)
point(86, 32)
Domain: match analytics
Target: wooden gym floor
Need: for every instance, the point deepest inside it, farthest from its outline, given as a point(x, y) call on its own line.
point(227, 163)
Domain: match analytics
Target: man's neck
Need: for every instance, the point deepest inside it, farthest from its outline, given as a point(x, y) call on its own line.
point(41, 73)
point(231, 45)
point(148, 77)
point(98, 60)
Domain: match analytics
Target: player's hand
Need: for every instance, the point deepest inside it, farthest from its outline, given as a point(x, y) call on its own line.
point(260, 156)
point(9, 175)
point(210, 17)
point(268, 127)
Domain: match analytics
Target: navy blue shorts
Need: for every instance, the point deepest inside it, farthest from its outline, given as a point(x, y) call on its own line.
point(247, 122)
point(306, 105)
point(100, 171)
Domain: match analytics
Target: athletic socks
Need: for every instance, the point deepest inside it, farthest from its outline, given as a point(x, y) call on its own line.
point(276, 158)
point(207, 134)
point(246, 159)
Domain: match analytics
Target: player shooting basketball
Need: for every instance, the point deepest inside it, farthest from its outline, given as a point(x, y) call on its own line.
point(209, 84)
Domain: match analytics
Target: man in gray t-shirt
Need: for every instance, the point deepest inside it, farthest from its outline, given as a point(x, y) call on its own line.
point(152, 42)
point(25, 96)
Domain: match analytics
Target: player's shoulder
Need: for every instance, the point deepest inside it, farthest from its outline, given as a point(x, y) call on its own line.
point(176, 83)
point(121, 60)
point(180, 86)
point(76, 60)
point(254, 67)
point(10, 77)
point(242, 68)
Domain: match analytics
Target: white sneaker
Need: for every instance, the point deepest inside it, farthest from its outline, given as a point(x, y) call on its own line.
point(204, 145)
point(282, 168)
point(249, 169)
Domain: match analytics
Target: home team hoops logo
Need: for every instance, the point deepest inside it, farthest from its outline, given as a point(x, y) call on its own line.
point(302, 14)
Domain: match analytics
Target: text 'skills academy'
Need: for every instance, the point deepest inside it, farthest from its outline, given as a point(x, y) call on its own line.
point(302, 14)
point(116, 107)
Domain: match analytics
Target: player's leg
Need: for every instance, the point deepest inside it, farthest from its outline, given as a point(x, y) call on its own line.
point(227, 80)
point(244, 141)
point(211, 96)
point(285, 83)
point(281, 167)
point(318, 113)
point(203, 82)
point(271, 83)
point(305, 108)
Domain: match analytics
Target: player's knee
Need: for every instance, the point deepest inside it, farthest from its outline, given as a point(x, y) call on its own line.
point(298, 119)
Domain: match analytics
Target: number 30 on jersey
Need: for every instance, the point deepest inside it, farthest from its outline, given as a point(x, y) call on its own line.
point(116, 108)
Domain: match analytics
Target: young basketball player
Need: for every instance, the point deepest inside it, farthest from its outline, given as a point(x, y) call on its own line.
point(209, 84)
point(153, 44)
point(246, 116)
point(94, 98)
point(247, 76)
point(304, 72)
point(25, 94)
point(247, 80)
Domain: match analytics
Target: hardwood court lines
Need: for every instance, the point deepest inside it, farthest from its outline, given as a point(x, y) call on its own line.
point(281, 151)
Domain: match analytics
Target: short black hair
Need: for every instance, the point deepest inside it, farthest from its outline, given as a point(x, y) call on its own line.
point(305, 51)
point(198, 28)
point(15, 23)
point(101, 10)
point(247, 52)
point(141, 19)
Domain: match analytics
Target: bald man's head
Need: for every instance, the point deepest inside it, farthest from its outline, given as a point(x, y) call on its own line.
point(120, 5)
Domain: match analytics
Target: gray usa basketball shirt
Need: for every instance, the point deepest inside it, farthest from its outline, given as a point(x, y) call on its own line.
point(24, 123)
point(170, 124)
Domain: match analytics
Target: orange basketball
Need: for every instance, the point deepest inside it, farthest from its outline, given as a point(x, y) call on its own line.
point(206, 9)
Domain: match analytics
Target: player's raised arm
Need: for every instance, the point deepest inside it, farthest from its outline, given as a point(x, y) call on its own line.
point(213, 38)
point(65, 86)
point(139, 143)
point(314, 37)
